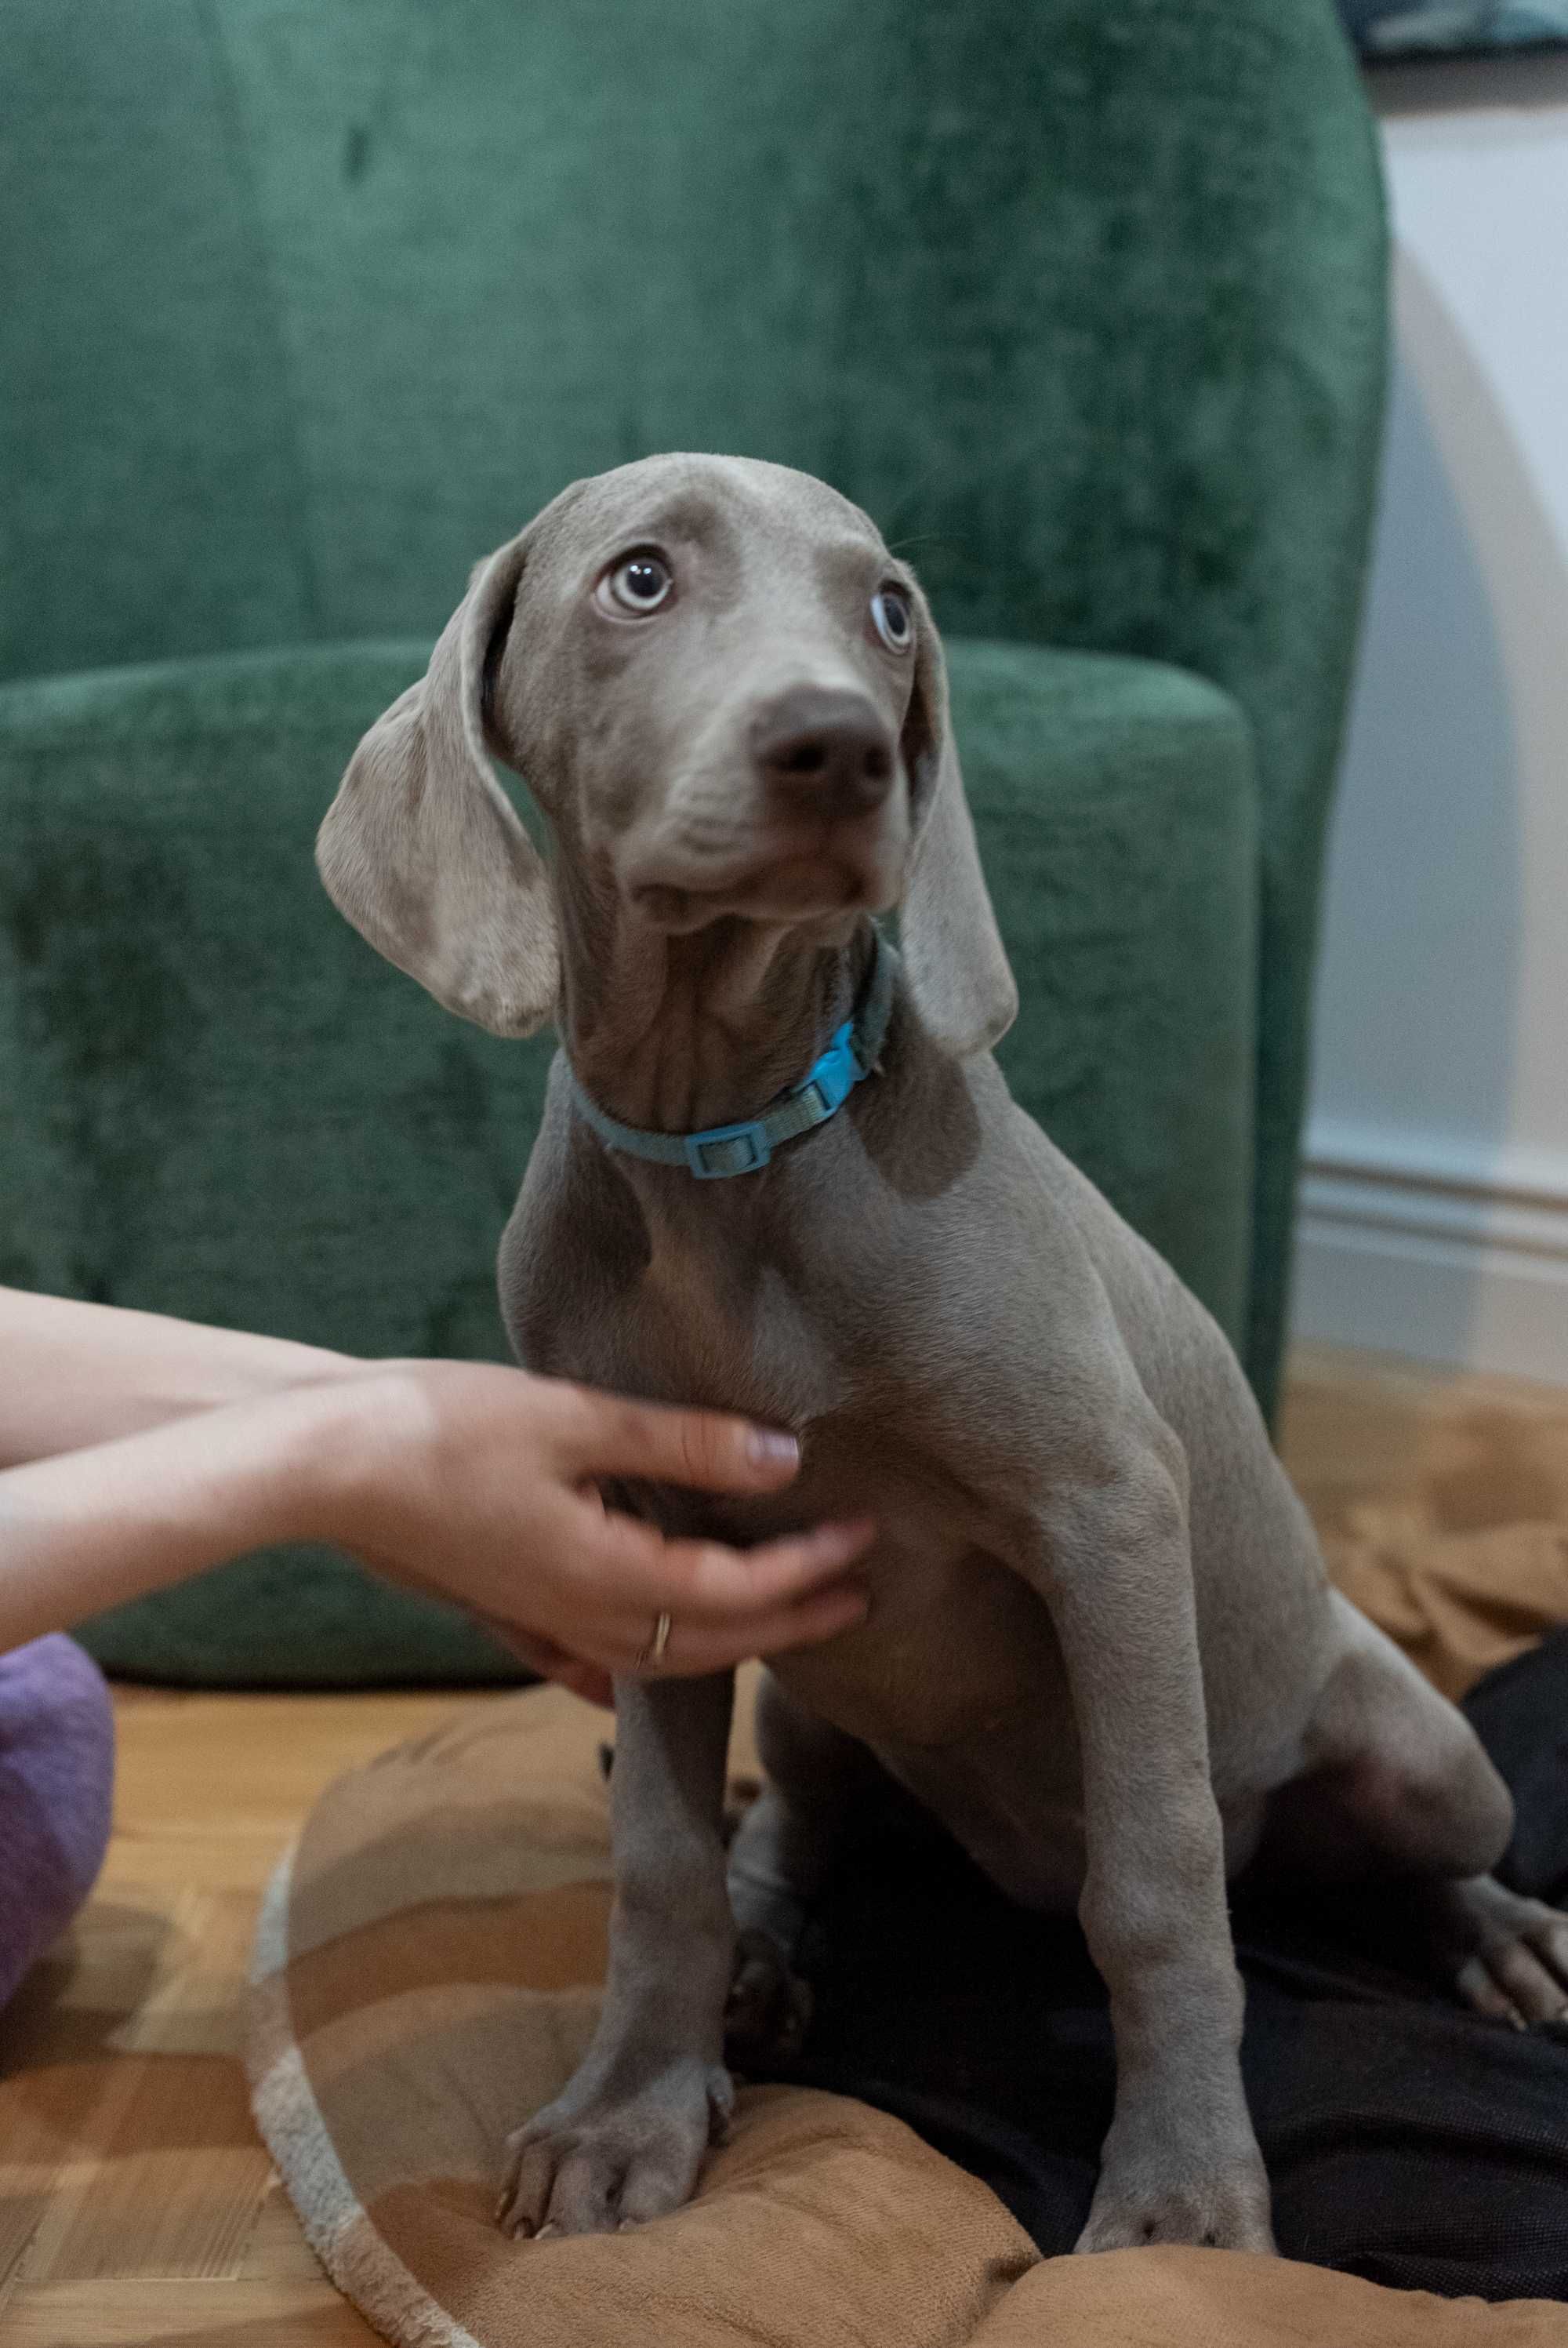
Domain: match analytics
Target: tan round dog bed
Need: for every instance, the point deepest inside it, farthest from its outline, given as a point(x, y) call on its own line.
point(427, 1974)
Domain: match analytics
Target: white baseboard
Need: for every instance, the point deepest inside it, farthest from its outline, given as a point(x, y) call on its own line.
point(1446, 1262)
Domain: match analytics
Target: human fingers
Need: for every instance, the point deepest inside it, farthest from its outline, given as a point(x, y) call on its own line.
point(710, 1581)
point(703, 1450)
point(589, 1680)
point(693, 1648)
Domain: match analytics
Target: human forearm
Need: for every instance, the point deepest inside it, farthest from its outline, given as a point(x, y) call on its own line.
point(73, 1374)
point(463, 1480)
point(96, 1525)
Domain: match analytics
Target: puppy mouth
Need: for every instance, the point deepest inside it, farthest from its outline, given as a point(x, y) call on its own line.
point(793, 882)
point(797, 888)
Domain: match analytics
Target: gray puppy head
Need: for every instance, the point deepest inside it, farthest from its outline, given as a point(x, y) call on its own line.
point(728, 700)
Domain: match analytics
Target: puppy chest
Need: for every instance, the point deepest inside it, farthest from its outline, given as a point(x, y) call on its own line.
point(733, 1335)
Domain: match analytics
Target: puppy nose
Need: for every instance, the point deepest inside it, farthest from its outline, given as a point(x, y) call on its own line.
point(830, 747)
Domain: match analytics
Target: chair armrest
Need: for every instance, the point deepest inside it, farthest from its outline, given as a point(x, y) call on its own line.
point(1116, 807)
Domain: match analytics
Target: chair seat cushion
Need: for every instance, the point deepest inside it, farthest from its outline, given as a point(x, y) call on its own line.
point(216, 1101)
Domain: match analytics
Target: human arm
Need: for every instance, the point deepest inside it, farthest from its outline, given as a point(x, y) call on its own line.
point(73, 1374)
point(465, 1479)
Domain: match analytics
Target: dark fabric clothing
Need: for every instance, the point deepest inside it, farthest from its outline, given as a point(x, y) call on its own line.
point(1407, 2140)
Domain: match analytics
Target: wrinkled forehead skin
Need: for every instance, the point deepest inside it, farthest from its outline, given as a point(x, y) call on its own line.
point(739, 510)
point(774, 575)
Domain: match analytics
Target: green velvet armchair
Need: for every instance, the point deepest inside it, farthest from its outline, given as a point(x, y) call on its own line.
point(302, 308)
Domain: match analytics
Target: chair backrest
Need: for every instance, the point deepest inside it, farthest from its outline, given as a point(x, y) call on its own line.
point(302, 308)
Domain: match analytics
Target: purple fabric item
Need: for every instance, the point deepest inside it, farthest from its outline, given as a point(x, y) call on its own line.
point(56, 1789)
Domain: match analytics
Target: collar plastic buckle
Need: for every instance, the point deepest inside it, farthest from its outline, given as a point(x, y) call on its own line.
point(838, 1072)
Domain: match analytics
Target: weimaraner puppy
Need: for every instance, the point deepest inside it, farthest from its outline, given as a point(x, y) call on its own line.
point(1101, 1649)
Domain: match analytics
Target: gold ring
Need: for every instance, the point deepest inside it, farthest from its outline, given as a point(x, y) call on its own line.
point(653, 1654)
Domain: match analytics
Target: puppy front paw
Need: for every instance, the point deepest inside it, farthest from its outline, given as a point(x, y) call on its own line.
point(592, 2164)
point(1162, 2191)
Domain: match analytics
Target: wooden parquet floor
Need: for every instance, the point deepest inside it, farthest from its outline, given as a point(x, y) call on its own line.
point(137, 2205)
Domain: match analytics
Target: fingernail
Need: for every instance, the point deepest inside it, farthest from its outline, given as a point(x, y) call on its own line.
point(772, 1448)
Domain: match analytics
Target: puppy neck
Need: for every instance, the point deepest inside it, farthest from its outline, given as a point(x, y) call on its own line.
point(673, 1033)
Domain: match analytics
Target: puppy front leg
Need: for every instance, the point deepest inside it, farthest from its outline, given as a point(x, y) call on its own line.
point(625, 2139)
point(1181, 2163)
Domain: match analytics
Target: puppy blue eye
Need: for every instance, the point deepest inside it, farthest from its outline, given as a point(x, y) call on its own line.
point(639, 584)
point(895, 622)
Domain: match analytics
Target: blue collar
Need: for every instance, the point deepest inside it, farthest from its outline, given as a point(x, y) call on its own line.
point(723, 1150)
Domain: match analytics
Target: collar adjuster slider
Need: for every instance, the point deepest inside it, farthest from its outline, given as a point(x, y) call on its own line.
point(751, 1137)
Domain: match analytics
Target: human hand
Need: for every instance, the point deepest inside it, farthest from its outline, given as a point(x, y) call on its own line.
point(477, 1483)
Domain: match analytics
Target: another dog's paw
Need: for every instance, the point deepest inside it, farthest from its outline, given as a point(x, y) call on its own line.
point(769, 2009)
point(590, 2164)
point(1218, 2204)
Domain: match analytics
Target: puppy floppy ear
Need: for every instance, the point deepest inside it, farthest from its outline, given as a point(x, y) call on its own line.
point(422, 850)
point(952, 948)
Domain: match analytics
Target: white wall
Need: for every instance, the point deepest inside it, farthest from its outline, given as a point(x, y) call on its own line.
point(1435, 1200)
